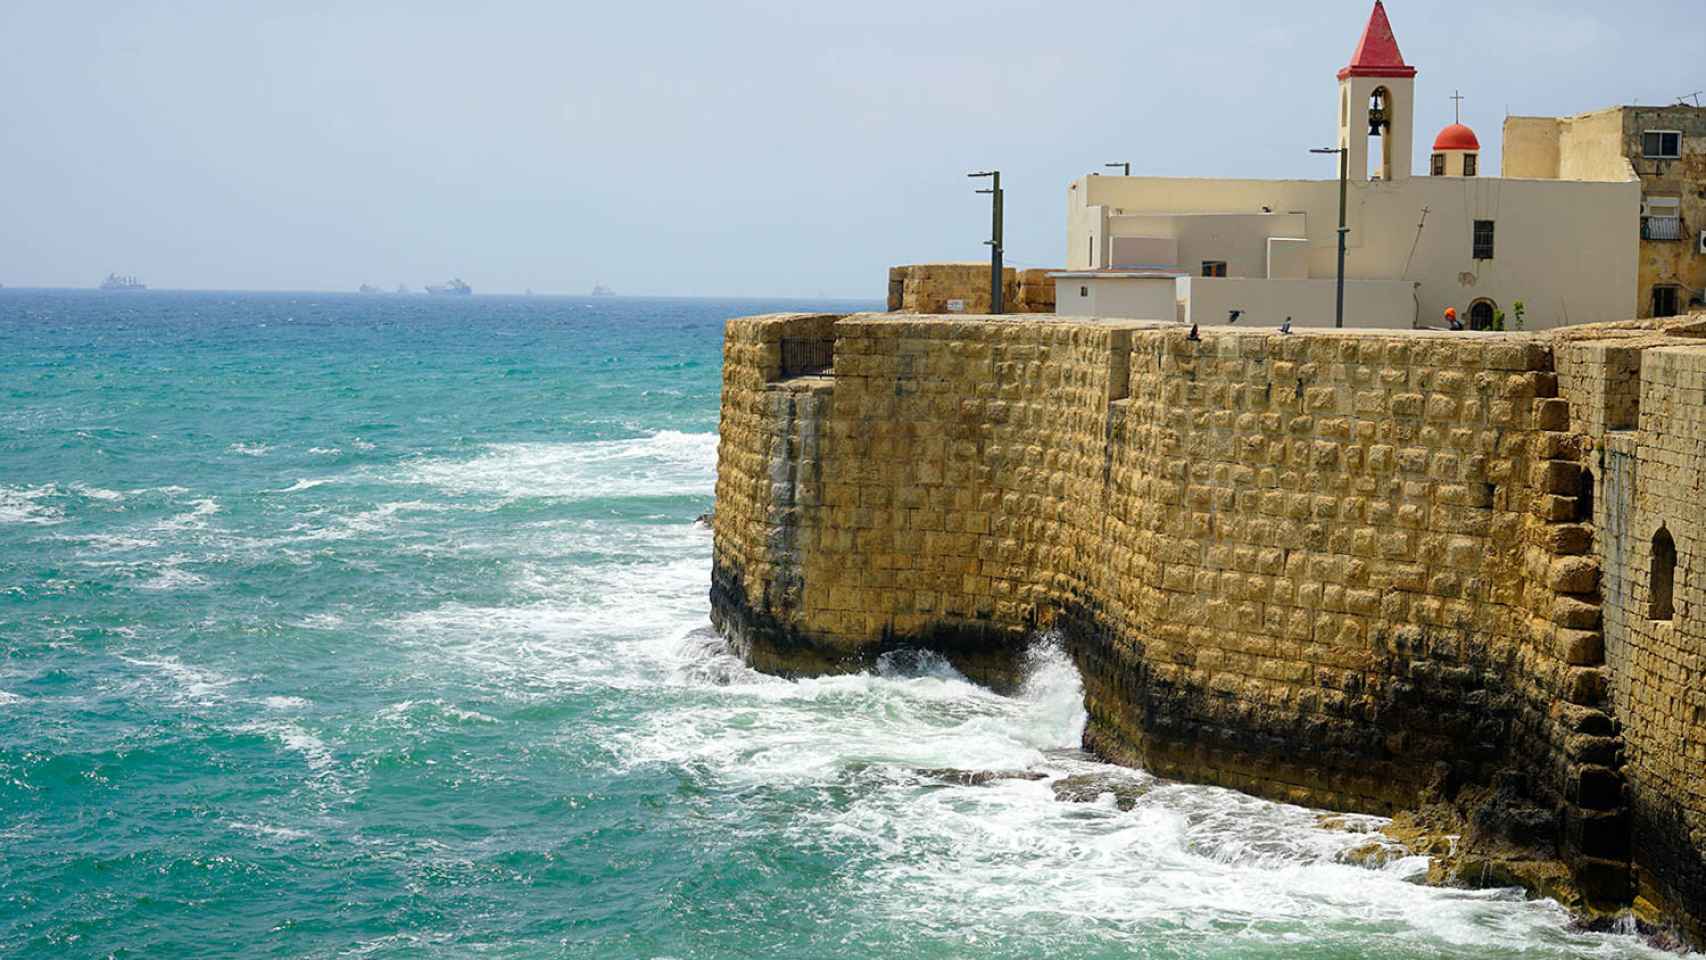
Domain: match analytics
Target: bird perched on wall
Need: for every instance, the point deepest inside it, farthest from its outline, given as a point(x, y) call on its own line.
point(1234, 315)
point(1193, 336)
point(1285, 327)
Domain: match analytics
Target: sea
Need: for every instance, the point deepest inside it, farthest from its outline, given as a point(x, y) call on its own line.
point(373, 626)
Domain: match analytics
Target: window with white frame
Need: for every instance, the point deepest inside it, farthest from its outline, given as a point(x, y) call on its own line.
point(1661, 144)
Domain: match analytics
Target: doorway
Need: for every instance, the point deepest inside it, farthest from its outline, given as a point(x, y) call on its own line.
point(1482, 314)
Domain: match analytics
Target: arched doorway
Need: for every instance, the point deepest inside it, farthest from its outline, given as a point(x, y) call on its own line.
point(1482, 314)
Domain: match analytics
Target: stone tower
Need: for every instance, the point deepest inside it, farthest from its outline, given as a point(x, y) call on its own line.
point(1378, 91)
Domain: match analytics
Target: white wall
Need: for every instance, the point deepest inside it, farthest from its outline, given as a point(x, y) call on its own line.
point(1384, 304)
point(1288, 258)
point(1124, 298)
point(1566, 248)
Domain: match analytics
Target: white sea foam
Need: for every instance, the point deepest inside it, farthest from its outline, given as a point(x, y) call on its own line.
point(294, 738)
point(185, 683)
point(668, 463)
point(404, 711)
point(7, 699)
point(268, 831)
point(96, 493)
point(286, 703)
point(100, 544)
point(195, 519)
point(1194, 864)
point(173, 577)
point(22, 505)
point(249, 449)
point(324, 451)
point(303, 484)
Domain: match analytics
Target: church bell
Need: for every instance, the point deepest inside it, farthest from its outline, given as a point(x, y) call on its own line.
point(1377, 114)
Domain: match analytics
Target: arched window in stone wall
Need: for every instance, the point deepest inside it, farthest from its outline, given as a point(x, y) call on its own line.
point(1661, 589)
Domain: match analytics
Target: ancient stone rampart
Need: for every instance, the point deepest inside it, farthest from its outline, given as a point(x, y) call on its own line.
point(1359, 570)
point(929, 288)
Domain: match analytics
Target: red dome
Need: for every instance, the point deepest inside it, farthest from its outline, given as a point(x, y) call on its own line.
point(1457, 137)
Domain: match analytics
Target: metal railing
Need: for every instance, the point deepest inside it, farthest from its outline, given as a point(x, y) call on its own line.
point(1661, 228)
point(807, 356)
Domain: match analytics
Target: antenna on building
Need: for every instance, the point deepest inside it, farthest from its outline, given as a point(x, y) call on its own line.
point(1682, 101)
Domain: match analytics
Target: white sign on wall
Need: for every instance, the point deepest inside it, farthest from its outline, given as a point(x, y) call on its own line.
point(956, 306)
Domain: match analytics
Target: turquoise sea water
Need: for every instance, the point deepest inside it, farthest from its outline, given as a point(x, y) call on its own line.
point(366, 626)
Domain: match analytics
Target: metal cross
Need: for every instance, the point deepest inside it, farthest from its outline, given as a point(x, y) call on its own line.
point(1457, 95)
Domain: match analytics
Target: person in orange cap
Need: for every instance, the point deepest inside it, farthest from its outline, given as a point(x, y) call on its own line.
point(1451, 319)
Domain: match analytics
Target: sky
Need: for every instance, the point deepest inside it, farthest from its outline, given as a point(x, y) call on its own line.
point(786, 148)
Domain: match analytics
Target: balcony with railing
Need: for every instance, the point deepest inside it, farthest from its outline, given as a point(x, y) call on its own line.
point(1661, 228)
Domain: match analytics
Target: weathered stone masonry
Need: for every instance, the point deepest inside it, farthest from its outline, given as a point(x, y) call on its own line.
point(1355, 570)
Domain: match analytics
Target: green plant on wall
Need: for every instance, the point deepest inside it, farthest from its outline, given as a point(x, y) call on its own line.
point(1499, 320)
point(1518, 311)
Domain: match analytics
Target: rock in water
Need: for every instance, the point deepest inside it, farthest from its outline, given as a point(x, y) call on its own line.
point(978, 778)
point(1089, 787)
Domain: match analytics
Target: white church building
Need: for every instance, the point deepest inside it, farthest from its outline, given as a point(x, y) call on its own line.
point(1198, 249)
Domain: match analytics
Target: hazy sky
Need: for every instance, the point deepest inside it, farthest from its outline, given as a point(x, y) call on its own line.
point(763, 147)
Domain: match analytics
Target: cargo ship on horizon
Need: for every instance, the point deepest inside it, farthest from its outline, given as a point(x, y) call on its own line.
point(127, 282)
point(454, 288)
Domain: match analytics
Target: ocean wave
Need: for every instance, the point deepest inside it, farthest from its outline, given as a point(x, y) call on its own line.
point(268, 831)
point(96, 493)
point(184, 683)
point(293, 737)
point(404, 712)
point(304, 484)
point(173, 577)
point(667, 463)
point(22, 505)
point(7, 699)
point(1212, 865)
point(249, 449)
point(195, 519)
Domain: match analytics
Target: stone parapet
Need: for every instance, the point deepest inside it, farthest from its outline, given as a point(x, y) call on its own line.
point(1364, 570)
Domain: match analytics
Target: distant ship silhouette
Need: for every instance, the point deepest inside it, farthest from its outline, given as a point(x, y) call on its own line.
point(127, 282)
point(600, 290)
point(453, 288)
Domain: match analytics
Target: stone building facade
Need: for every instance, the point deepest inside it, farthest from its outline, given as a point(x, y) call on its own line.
point(1363, 570)
point(1666, 148)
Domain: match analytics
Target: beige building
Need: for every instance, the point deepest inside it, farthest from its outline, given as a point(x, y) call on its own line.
point(1559, 242)
point(1666, 148)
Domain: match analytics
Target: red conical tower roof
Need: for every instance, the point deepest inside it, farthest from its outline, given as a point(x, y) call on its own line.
point(1377, 55)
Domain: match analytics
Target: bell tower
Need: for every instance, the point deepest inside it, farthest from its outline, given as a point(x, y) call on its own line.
point(1377, 98)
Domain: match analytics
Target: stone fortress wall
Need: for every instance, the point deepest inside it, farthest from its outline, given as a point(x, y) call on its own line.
point(1362, 570)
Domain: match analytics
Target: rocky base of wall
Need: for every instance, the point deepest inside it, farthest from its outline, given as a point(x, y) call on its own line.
point(1367, 571)
point(986, 654)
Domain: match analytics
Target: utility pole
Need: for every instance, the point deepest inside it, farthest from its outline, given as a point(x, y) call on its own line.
point(1124, 166)
point(996, 300)
point(1344, 231)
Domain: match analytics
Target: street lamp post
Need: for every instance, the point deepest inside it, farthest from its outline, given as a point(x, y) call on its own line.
point(1344, 231)
point(996, 300)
